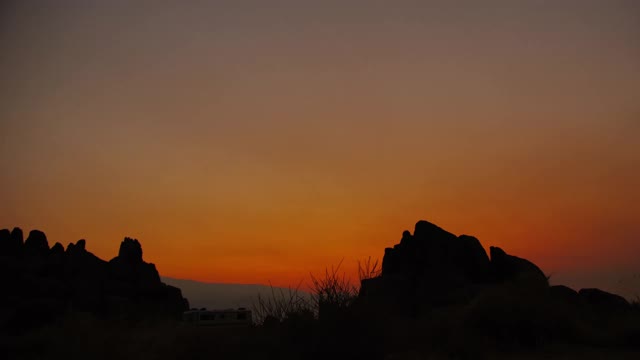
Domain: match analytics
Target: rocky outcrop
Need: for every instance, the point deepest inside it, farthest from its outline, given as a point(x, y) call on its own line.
point(435, 254)
point(511, 268)
point(36, 243)
point(432, 268)
point(564, 294)
point(132, 278)
point(16, 235)
point(603, 301)
point(57, 281)
point(57, 249)
point(128, 267)
point(130, 251)
point(5, 242)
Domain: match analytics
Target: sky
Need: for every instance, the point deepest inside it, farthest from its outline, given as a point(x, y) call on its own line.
point(260, 141)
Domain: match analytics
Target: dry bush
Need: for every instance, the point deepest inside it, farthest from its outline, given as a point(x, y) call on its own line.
point(369, 269)
point(281, 304)
point(332, 292)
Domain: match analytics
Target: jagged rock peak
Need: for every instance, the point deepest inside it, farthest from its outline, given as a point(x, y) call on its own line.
point(36, 243)
point(8, 245)
point(57, 248)
point(78, 247)
point(77, 280)
point(130, 250)
point(407, 238)
point(432, 252)
point(427, 230)
point(507, 267)
point(16, 235)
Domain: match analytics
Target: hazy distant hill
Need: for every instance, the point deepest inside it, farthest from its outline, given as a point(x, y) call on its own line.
point(221, 296)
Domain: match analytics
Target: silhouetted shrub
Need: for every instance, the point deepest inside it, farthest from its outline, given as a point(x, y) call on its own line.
point(369, 269)
point(281, 305)
point(333, 293)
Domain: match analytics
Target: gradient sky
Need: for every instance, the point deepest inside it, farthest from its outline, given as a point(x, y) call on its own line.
point(257, 141)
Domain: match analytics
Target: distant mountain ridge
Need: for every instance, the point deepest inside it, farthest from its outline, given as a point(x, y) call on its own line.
point(223, 295)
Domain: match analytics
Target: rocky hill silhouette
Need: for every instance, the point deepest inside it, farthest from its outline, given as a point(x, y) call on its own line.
point(437, 295)
point(432, 268)
point(41, 283)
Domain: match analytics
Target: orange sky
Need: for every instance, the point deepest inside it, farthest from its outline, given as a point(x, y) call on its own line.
point(260, 141)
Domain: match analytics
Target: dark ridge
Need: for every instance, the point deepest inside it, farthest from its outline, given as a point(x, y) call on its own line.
point(433, 268)
point(41, 284)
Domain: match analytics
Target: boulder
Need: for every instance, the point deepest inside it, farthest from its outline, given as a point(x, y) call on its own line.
point(130, 251)
point(433, 267)
point(134, 275)
point(429, 267)
point(603, 301)
point(16, 235)
point(55, 267)
point(36, 243)
point(434, 253)
point(78, 248)
point(393, 291)
point(9, 245)
point(473, 259)
point(509, 268)
point(431, 232)
point(128, 267)
point(86, 275)
point(84, 263)
point(5, 242)
point(564, 294)
point(57, 249)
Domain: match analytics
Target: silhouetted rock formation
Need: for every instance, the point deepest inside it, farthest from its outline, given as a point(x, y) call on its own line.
point(130, 250)
point(41, 283)
point(10, 242)
point(564, 294)
point(433, 268)
point(603, 301)
point(57, 249)
point(36, 243)
point(16, 235)
point(430, 267)
point(132, 278)
point(5, 242)
point(511, 268)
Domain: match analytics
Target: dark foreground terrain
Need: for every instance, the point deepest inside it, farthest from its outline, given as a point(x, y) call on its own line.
point(436, 296)
point(83, 338)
